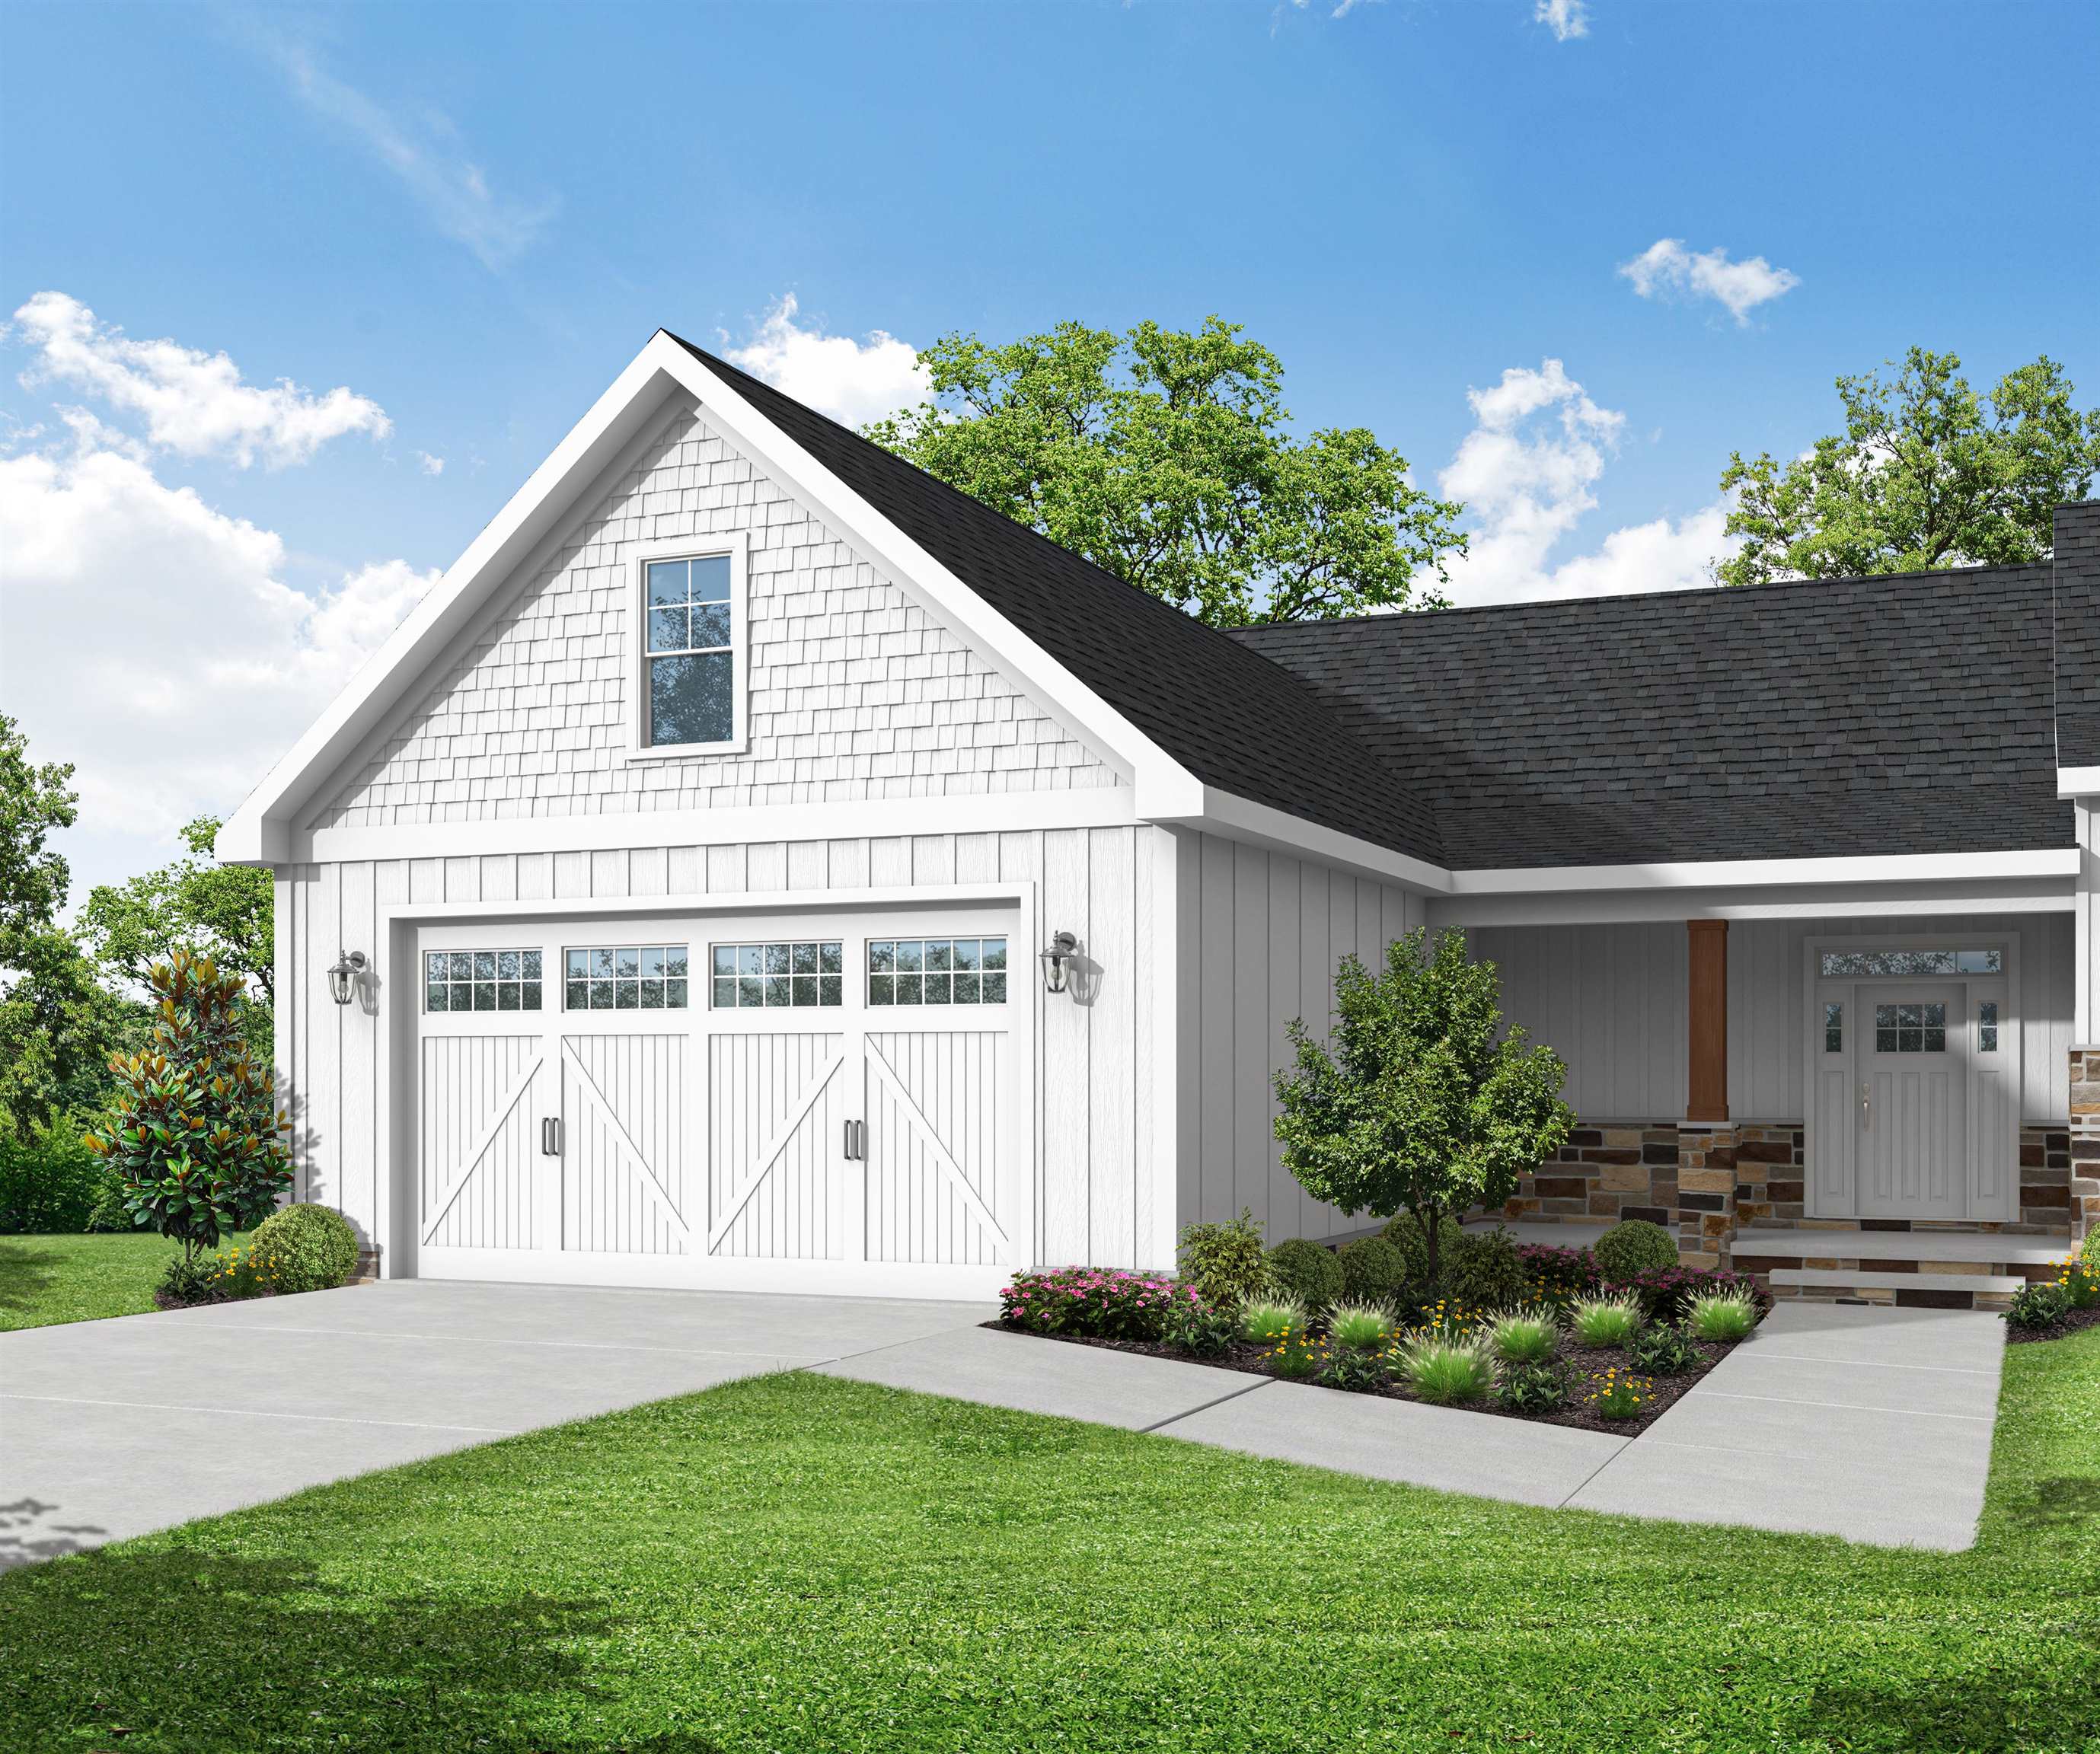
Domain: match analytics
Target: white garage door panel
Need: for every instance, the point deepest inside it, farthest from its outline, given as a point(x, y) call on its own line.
point(480, 1143)
point(936, 1137)
point(778, 1188)
point(847, 1146)
point(623, 1159)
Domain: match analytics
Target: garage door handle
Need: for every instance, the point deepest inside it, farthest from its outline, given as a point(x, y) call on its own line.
point(855, 1145)
point(550, 1136)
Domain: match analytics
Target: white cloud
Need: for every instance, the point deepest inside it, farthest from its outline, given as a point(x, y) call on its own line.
point(1563, 18)
point(429, 465)
point(193, 403)
point(1527, 472)
point(429, 156)
point(852, 382)
point(1667, 266)
point(150, 639)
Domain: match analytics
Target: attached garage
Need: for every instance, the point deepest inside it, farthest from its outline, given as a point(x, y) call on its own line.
point(668, 904)
point(817, 1098)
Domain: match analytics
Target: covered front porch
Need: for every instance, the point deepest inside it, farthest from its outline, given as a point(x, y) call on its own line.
point(1862, 1094)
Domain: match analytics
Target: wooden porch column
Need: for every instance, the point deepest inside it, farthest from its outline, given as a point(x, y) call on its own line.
point(1708, 1020)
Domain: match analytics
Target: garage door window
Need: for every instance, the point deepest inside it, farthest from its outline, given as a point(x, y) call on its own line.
point(626, 977)
point(755, 976)
point(936, 972)
point(481, 980)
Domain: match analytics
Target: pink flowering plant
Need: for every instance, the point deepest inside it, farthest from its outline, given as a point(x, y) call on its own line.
point(1101, 1302)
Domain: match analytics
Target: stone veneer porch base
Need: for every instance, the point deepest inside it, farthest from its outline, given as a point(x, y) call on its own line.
point(1706, 1181)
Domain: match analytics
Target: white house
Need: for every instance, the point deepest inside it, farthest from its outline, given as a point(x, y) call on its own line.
point(688, 859)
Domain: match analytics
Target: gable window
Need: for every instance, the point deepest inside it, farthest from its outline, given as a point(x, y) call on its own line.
point(691, 682)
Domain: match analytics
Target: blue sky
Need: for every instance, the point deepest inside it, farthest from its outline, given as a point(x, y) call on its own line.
point(469, 218)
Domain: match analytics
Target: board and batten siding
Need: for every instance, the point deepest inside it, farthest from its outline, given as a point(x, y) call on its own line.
point(1262, 933)
point(1610, 1000)
point(1104, 1185)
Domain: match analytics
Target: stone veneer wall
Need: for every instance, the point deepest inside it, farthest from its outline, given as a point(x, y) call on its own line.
point(1703, 1179)
point(2082, 1143)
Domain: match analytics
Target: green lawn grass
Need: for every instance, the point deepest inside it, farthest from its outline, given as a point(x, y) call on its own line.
point(796, 1563)
point(45, 1280)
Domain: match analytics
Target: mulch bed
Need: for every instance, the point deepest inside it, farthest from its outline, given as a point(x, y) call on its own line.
point(2076, 1322)
point(1582, 1360)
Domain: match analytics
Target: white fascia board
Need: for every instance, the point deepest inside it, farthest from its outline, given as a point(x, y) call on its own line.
point(846, 819)
point(1894, 868)
point(260, 832)
point(1040, 675)
point(1227, 814)
point(2077, 782)
point(2038, 895)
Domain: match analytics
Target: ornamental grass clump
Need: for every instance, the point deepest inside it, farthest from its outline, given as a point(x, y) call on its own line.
point(1360, 1327)
point(1446, 1373)
point(1722, 1318)
point(1619, 1394)
point(1604, 1321)
point(1270, 1321)
point(1093, 1302)
point(1520, 1339)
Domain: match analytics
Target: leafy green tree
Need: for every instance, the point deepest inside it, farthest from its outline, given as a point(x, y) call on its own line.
point(1164, 455)
point(58, 1026)
point(194, 1133)
point(225, 912)
point(1423, 1103)
point(1925, 474)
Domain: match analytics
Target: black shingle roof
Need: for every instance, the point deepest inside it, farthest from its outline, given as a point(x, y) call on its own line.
point(1232, 718)
point(2078, 634)
point(1888, 715)
point(1920, 713)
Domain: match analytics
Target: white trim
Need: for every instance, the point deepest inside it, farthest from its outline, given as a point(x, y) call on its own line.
point(1771, 901)
point(841, 1279)
point(845, 819)
point(735, 547)
point(1233, 817)
point(2077, 782)
point(1901, 868)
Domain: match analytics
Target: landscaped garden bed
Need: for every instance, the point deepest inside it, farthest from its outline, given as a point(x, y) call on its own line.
point(2065, 1305)
point(1566, 1342)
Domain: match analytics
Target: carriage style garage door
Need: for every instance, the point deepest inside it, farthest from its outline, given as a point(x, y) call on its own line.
point(809, 1101)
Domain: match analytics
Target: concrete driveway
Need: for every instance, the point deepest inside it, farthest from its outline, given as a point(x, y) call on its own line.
point(109, 1429)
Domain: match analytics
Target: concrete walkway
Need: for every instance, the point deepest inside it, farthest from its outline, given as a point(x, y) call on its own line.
point(1867, 1422)
point(1871, 1423)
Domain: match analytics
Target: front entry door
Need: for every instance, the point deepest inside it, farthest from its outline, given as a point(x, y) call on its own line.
point(1911, 1108)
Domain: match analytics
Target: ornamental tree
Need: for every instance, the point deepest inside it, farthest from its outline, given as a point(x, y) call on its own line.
point(194, 1131)
point(1421, 1100)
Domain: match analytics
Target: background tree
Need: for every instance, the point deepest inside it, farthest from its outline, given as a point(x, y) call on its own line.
point(1164, 455)
point(225, 912)
point(1422, 1102)
point(193, 1132)
point(1925, 474)
point(58, 1026)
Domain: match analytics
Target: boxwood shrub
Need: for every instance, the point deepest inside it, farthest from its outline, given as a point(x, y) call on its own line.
point(1306, 1271)
point(1485, 1273)
point(1634, 1247)
point(312, 1247)
point(1373, 1271)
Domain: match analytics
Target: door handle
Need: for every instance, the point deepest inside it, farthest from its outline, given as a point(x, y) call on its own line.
point(853, 1145)
point(550, 1136)
point(1867, 1107)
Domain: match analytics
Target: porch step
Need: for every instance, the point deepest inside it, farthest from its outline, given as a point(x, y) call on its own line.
point(1982, 1247)
point(1943, 1290)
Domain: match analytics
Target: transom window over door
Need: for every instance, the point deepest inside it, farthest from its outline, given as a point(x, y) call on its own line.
point(690, 688)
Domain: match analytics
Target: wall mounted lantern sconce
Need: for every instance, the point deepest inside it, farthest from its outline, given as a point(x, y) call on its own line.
point(1056, 959)
point(344, 974)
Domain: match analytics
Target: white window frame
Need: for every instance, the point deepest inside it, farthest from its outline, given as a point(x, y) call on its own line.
point(734, 547)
